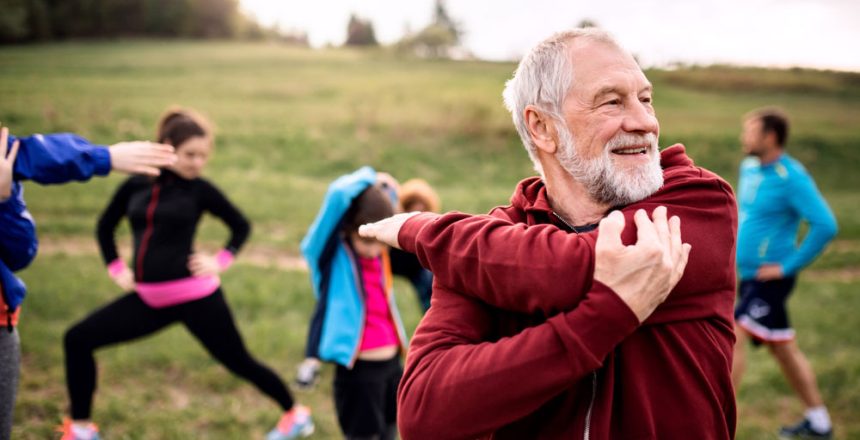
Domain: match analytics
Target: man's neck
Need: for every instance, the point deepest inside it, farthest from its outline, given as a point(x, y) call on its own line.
point(570, 200)
point(770, 156)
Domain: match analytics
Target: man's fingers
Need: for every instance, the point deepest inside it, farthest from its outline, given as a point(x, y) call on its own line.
point(661, 224)
point(685, 256)
point(368, 231)
point(645, 230)
point(610, 229)
point(13, 153)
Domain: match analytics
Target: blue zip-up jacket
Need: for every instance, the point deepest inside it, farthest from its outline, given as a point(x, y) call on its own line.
point(772, 200)
point(46, 159)
point(336, 330)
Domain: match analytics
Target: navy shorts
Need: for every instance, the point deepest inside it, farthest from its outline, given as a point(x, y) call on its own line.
point(762, 312)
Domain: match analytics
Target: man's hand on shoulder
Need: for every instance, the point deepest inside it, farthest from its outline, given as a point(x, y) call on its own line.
point(643, 274)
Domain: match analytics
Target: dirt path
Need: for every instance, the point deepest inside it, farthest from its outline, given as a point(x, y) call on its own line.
point(255, 255)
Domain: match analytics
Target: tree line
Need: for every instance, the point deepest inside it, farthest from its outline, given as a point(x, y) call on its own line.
point(35, 20)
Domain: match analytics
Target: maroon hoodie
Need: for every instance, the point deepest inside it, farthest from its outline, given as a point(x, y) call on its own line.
point(521, 343)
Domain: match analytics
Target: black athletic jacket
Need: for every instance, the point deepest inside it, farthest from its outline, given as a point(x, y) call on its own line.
point(164, 213)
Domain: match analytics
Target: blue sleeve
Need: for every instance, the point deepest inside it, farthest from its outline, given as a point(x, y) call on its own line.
point(337, 200)
point(810, 205)
point(59, 158)
point(18, 244)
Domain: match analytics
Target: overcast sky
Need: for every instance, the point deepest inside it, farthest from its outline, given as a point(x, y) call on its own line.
point(809, 33)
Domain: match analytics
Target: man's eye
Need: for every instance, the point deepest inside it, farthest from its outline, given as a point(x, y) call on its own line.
point(646, 99)
point(612, 102)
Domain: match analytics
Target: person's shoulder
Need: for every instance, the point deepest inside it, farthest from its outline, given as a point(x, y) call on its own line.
point(750, 163)
point(792, 166)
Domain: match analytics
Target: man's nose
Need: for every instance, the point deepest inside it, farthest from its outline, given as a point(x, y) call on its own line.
point(640, 117)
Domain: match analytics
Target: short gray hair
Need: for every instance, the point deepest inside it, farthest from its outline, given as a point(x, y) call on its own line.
point(543, 79)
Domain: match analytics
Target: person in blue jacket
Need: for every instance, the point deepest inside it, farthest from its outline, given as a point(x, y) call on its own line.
point(776, 193)
point(46, 159)
point(356, 324)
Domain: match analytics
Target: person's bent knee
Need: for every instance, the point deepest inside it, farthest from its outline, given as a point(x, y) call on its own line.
point(75, 339)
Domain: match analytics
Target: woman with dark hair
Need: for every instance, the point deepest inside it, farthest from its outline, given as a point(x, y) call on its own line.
point(169, 282)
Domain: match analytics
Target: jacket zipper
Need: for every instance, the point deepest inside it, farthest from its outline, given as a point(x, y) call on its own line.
point(587, 434)
point(147, 234)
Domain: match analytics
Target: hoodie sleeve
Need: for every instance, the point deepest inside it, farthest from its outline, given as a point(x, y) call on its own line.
point(18, 244)
point(338, 198)
point(59, 158)
point(454, 353)
point(503, 263)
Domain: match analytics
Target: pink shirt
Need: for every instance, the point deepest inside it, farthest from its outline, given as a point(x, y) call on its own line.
point(379, 329)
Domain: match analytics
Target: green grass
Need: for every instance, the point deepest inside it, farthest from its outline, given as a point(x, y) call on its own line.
point(291, 120)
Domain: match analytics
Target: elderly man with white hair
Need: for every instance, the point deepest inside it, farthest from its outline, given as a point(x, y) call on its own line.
point(571, 313)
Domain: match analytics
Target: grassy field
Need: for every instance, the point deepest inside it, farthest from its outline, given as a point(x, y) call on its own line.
point(291, 120)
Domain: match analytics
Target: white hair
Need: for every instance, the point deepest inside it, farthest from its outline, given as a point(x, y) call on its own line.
point(543, 79)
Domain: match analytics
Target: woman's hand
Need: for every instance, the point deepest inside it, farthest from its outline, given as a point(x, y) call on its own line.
point(201, 264)
point(121, 275)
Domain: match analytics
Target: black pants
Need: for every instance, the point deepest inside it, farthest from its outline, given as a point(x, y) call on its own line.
point(208, 319)
point(366, 399)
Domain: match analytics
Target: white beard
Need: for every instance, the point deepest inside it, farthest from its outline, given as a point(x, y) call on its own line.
point(604, 182)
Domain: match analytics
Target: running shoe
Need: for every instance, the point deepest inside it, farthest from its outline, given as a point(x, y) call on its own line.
point(308, 374)
point(71, 432)
point(804, 430)
point(294, 424)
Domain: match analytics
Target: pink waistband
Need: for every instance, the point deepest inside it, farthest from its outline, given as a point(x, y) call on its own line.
point(173, 292)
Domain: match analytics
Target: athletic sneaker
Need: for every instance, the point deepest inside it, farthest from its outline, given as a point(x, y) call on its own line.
point(308, 374)
point(72, 432)
point(293, 424)
point(803, 430)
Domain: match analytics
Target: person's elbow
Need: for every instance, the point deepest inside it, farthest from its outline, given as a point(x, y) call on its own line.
point(23, 258)
point(830, 229)
point(418, 417)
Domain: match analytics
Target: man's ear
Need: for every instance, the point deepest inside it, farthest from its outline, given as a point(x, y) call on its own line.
point(541, 129)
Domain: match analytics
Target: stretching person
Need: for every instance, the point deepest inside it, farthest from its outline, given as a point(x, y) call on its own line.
point(168, 283)
point(46, 159)
point(355, 324)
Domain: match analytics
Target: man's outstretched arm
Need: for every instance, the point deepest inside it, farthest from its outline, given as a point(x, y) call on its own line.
point(511, 266)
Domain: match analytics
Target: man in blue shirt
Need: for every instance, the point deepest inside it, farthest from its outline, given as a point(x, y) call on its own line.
point(776, 193)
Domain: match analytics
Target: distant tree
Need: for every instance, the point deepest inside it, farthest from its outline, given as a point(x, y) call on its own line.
point(437, 39)
point(13, 21)
point(360, 32)
point(22, 20)
point(587, 23)
point(444, 21)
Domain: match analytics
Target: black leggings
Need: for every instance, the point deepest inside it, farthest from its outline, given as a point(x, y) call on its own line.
point(208, 319)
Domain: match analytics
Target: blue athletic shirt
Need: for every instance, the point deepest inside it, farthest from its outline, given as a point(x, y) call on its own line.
point(772, 200)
